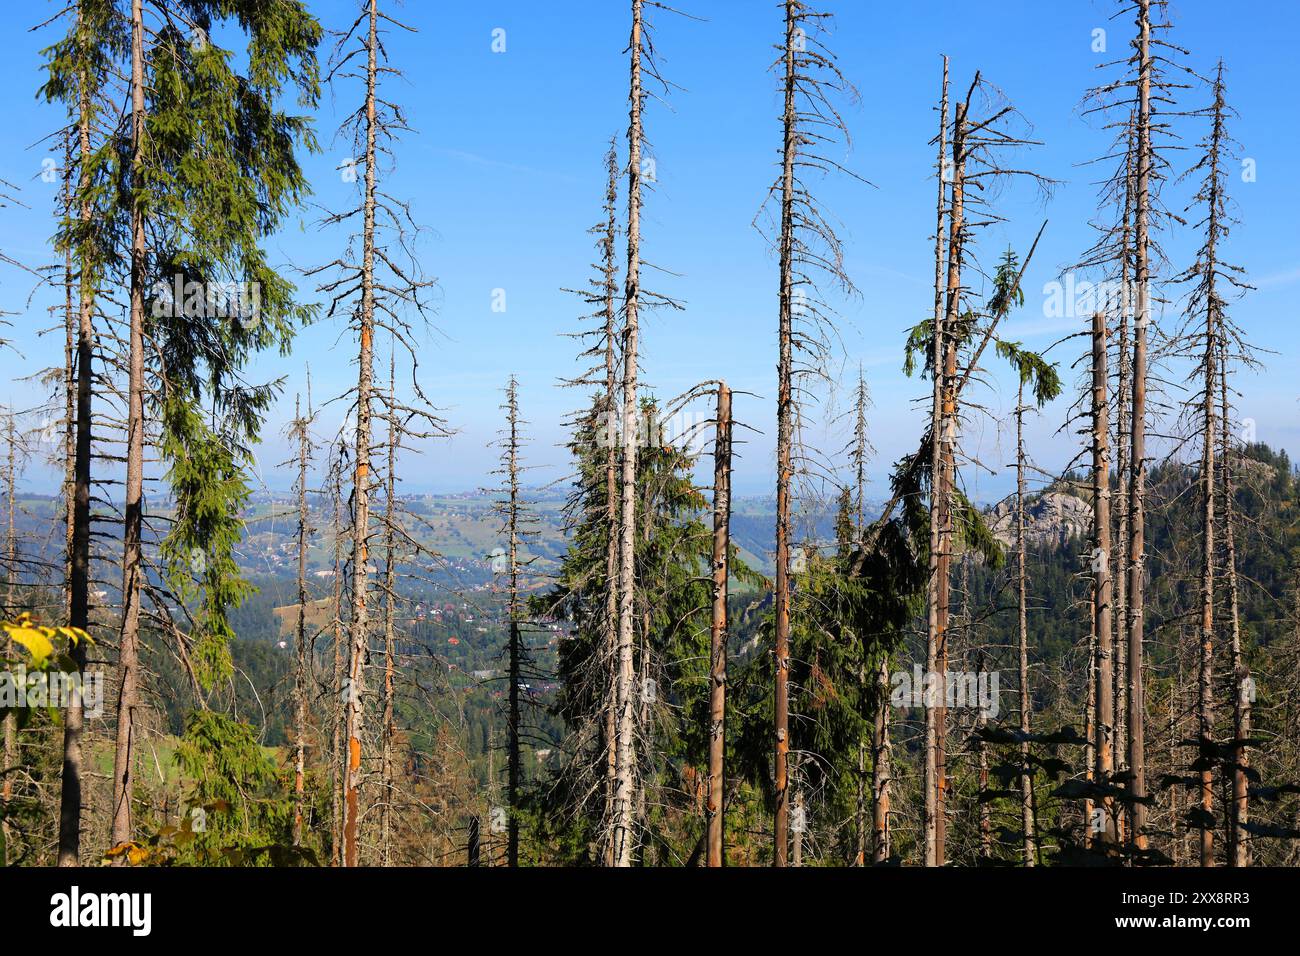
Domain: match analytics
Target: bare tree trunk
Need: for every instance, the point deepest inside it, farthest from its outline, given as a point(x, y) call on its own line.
point(1119, 563)
point(947, 444)
point(300, 638)
point(1103, 619)
point(514, 766)
point(132, 560)
point(625, 797)
point(796, 857)
point(355, 706)
point(390, 634)
point(863, 786)
point(1178, 842)
point(1027, 825)
point(1205, 646)
point(715, 808)
point(1090, 732)
point(1218, 335)
point(336, 705)
point(860, 786)
point(70, 320)
point(982, 766)
point(1243, 694)
point(1137, 433)
point(644, 724)
point(784, 451)
point(880, 768)
point(492, 803)
point(937, 425)
point(1119, 569)
point(11, 598)
point(612, 578)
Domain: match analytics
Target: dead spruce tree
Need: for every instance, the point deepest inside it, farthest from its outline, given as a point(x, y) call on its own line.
point(518, 524)
point(1212, 340)
point(859, 454)
point(1143, 96)
point(1137, 431)
point(377, 283)
point(1113, 258)
point(300, 433)
point(10, 767)
point(1028, 824)
point(809, 254)
point(953, 344)
point(1033, 372)
point(335, 479)
point(1242, 684)
point(593, 701)
point(621, 835)
point(881, 780)
point(1101, 668)
point(1135, 560)
point(607, 302)
point(1123, 422)
point(938, 339)
point(715, 795)
point(642, 64)
point(1235, 352)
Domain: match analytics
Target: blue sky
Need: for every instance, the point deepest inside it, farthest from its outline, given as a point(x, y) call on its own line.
point(505, 171)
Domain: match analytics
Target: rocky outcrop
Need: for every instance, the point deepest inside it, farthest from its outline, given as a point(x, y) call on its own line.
point(1051, 519)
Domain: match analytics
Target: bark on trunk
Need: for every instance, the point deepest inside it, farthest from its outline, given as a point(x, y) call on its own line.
point(625, 797)
point(300, 637)
point(1137, 433)
point(1103, 615)
point(1027, 825)
point(1243, 688)
point(611, 499)
point(354, 709)
point(514, 768)
point(947, 445)
point(11, 580)
point(715, 808)
point(784, 451)
point(982, 772)
point(937, 424)
point(337, 709)
point(1205, 644)
point(880, 769)
point(1119, 563)
point(390, 633)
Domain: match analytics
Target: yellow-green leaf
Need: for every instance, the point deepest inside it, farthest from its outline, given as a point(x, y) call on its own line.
point(37, 644)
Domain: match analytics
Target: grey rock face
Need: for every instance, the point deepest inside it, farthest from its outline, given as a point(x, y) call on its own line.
point(1053, 518)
